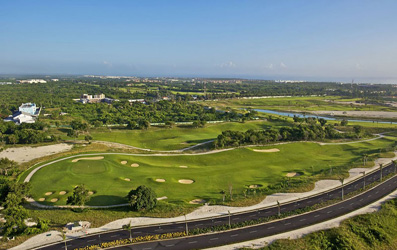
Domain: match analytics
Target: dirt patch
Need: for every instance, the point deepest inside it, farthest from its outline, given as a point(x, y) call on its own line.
point(62, 192)
point(197, 201)
point(127, 179)
point(134, 165)
point(255, 186)
point(48, 193)
point(272, 150)
point(25, 154)
point(185, 181)
point(292, 174)
point(90, 193)
point(160, 180)
point(54, 200)
point(162, 198)
point(89, 158)
point(42, 199)
point(183, 166)
point(123, 162)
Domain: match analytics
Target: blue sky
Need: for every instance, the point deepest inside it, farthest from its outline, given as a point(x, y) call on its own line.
point(308, 40)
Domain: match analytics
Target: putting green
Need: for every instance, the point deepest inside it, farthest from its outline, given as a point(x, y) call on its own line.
point(211, 173)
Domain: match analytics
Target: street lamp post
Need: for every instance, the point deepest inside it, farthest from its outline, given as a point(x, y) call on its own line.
point(229, 219)
point(279, 209)
point(381, 171)
point(187, 230)
point(364, 177)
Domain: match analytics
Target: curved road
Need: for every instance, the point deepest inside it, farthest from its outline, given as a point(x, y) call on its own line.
point(253, 232)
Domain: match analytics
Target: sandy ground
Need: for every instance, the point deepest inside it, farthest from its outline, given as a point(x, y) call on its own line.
point(162, 198)
point(292, 174)
point(206, 211)
point(197, 201)
point(62, 192)
point(255, 186)
point(123, 162)
point(25, 154)
point(48, 193)
point(183, 166)
point(127, 179)
point(160, 180)
point(272, 150)
point(88, 158)
point(368, 114)
point(134, 165)
point(186, 181)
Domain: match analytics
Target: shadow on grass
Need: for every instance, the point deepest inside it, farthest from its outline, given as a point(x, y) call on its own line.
point(105, 200)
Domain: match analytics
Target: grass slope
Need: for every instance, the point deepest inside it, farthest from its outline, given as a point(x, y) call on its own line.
point(211, 173)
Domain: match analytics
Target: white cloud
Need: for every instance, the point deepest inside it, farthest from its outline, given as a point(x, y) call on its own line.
point(270, 66)
point(282, 65)
point(108, 64)
point(358, 66)
point(229, 64)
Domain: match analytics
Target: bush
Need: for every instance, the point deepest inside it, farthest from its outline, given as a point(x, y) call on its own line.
point(142, 198)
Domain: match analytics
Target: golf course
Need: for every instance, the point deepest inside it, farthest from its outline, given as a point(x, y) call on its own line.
point(183, 178)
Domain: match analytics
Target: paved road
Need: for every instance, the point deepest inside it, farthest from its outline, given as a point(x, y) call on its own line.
point(244, 234)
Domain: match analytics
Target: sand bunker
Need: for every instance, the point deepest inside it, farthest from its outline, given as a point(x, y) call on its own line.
point(62, 192)
point(183, 166)
point(160, 180)
point(272, 150)
point(123, 162)
point(90, 193)
point(185, 181)
point(48, 193)
point(162, 198)
point(89, 158)
point(127, 179)
point(197, 201)
point(54, 200)
point(292, 174)
point(134, 165)
point(42, 199)
point(255, 185)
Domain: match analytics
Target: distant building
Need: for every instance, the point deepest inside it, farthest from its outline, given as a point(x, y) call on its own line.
point(32, 81)
point(86, 98)
point(27, 113)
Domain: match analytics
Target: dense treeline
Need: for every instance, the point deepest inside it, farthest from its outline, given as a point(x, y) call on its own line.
point(301, 132)
point(25, 133)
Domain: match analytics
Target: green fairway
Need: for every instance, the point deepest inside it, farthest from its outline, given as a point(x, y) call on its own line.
point(312, 103)
point(177, 137)
point(111, 181)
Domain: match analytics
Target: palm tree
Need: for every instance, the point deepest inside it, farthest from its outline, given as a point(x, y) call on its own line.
point(278, 208)
point(128, 227)
point(63, 235)
point(341, 179)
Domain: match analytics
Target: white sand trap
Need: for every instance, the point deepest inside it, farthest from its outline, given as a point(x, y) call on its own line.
point(48, 193)
point(185, 181)
point(89, 158)
point(134, 165)
point(197, 201)
point(272, 150)
point(162, 198)
point(62, 192)
point(123, 162)
point(255, 186)
point(127, 179)
point(90, 193)
point(183, 166)
point(292, 174)
point(42, 199)
point(160, 180)
point(54, 200)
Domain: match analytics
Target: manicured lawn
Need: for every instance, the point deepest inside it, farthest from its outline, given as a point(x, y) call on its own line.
point(174, 138)
point(211, 173)
point(298, 104)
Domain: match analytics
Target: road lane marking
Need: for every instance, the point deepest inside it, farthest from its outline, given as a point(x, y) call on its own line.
point(169, 245)
point(214, 239)
point(192, 242)
point(287, 224)
point(234, 235)
point(91, 240)
point(302, 219)
point(329, 212)
point(316, 215)
point(270, 227)
point(115, 235)
point(253, 232)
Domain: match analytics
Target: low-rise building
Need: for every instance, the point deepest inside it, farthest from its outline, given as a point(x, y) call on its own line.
point(27, 113)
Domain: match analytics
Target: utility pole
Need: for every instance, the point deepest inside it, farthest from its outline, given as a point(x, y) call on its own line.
point(342, 180)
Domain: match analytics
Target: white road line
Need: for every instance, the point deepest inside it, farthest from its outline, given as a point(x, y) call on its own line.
point(287, 224)
point(114, 235)
point(158, 230)
point(329, 212)
point(192, 242)
point(270, 227)
point(91, 240)
point(316, 215)
point(302, 219)
point(214, 239)
point(169, 245)
point(136, 232)
point(253, 232)
point(234, 235)
point(217, 221)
